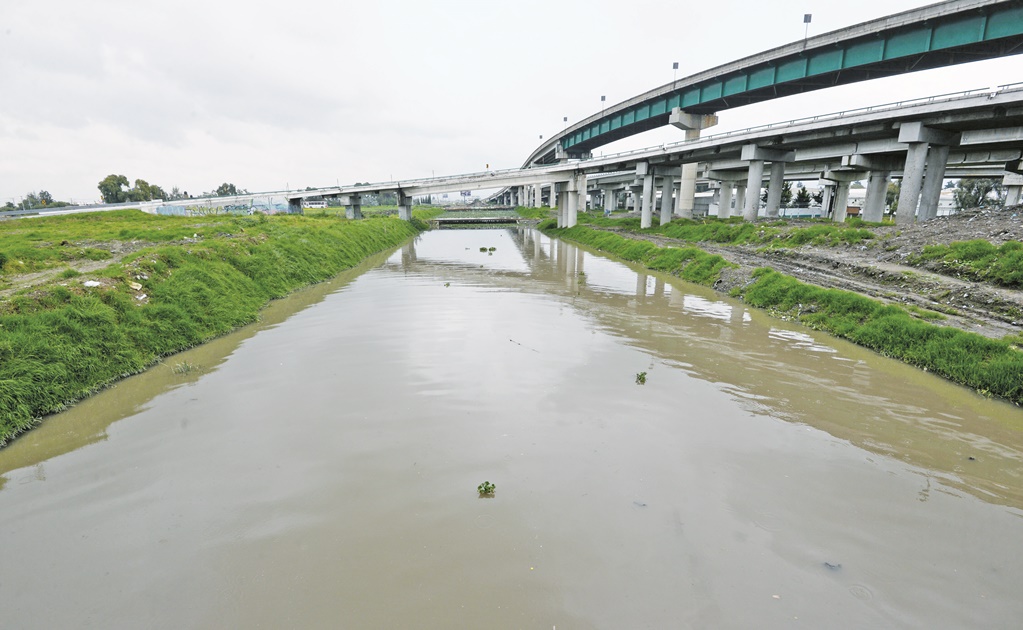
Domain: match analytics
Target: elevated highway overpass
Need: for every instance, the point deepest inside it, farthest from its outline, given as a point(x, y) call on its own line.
point(973, 133)
point(942, 34)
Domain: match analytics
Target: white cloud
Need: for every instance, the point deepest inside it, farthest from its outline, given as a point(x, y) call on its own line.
point(304, 92)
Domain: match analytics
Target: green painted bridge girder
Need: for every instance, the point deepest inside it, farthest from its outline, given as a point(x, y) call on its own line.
point(983, 33)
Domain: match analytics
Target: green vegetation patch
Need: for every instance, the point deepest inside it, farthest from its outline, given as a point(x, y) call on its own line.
point(989, 366)
point(533, 213)
point(735, 231)
point(60, 342)
point(977, 260)
point(689, 263)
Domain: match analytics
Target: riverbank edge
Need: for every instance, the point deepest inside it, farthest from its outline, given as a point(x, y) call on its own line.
point(80, 341)
point(990, 367)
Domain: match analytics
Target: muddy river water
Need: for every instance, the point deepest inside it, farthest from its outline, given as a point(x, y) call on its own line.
point(319, 469)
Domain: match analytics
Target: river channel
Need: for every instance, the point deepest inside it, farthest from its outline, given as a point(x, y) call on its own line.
point(319, 469)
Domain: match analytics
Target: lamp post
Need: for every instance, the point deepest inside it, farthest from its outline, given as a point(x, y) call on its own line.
point(674, 71)
point(602, 99)
point(806, 29)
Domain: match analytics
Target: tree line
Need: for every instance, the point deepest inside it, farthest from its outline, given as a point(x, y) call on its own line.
point(116, 189)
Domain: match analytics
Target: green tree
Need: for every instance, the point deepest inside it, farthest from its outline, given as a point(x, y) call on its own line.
point(112, 188)
point(891, 196)
point(803, 197)
point(977, 192)
point(786, 194)
point(229, 190)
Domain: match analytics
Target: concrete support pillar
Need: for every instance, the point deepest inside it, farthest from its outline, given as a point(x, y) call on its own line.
point(774, 189)
point(912, 183)
point(609, 201)
point(740, 198)
point(826, 200)
point(646, 218)
point(693, 124)
point(877, 190)
point(576, 196)
point(562, 208)
point(841, 201)
point(930, 193)
point(687, 188)
point(537, 196)
point(725, 203)
point(295, 206)
point(667, 188)
point(756, 179)
point(637, 196)
point(353, 206)
point(404, 206)
point(1013, 183)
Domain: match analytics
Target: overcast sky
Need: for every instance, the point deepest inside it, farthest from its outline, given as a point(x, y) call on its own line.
point(268, 94)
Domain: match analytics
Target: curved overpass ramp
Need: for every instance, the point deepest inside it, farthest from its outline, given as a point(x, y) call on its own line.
point(942, 34)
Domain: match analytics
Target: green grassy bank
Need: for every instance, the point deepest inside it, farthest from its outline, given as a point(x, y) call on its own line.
point(993, 367)
point(689, 263)
point(191, 279)
point(735, 231)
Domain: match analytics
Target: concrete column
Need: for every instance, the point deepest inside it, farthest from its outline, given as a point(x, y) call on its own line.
point(1013, 183)
point(774, 190)
point(841, 201)
point(295, 206)
point(756, 179)
point(353, 206)
point(725, 203)
point(740, 198)
point(646, 219)
point(877, 190)
point(636, 194)
point(537, 196)
point(404, 206)
point(930, 193)
point(609, 201)
point(692, 124)
point(912, 182)
point(687, 188)
point(576, 196)
point(667, 188)
point(826, 199)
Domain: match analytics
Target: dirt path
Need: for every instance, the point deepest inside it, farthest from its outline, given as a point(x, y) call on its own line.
point(876, 270)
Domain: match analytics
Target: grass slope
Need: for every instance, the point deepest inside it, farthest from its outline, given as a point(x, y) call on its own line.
point(60, 343)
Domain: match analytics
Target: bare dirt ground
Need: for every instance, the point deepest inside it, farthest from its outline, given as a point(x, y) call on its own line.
point(878, 268)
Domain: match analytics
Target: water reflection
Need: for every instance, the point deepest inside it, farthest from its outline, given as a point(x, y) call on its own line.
point(776, 370)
